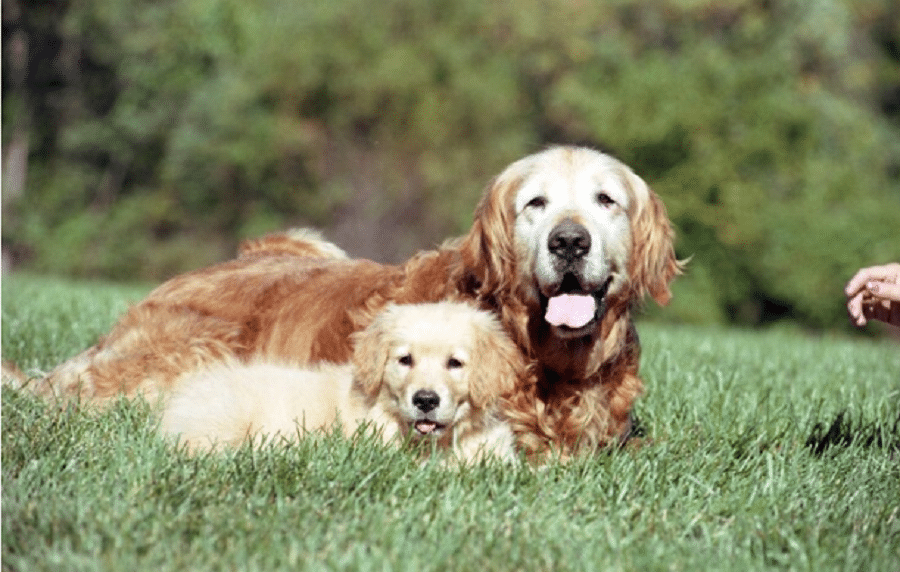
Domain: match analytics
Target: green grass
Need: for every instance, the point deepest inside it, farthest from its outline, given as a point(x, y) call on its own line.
point(763, 451)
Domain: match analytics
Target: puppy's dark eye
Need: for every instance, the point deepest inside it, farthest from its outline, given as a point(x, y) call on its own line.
point(605, 200)
point(537, 203)
point(454, 363)
point(406, 360)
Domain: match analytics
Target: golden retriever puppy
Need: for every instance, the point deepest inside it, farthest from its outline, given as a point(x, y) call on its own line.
point(564, 245)
point(426, 371)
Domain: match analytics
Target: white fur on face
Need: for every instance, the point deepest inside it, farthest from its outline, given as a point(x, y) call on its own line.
point(438, 373)
point(583, 189)
point(430, 358)
point(587, 188)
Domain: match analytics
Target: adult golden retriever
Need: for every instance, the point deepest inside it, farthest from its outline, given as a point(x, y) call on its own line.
point(432, 372)
point(564, 244)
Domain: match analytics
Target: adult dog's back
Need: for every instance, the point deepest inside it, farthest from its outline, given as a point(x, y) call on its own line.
point(287, 308)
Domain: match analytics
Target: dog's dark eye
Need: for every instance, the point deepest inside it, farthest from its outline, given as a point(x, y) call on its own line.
point(537, 203)
point(605, 200)
point(406, 360)
point(454, 363)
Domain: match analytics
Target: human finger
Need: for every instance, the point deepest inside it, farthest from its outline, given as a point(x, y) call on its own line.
point(884, 290)
point(855, 310)
point(869, 274)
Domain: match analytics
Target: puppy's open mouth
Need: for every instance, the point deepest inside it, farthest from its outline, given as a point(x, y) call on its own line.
point(425, 427)
point(572, 309)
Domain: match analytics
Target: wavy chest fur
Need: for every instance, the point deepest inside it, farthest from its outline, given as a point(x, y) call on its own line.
point(581, 391)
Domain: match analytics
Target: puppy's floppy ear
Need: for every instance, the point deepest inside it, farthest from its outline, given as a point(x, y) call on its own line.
point(488, 250)
point(496, 366)
point(371, 349)
point(653, 264)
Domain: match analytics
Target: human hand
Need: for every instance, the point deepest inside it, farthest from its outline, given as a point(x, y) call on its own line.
point(874, 294)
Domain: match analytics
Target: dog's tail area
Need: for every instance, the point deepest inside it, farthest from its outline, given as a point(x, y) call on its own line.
point(40, 384)
point(304, 242)
point(13, 376)
point(36, 384)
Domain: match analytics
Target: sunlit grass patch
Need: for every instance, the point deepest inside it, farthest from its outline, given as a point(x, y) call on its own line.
point(761, 450)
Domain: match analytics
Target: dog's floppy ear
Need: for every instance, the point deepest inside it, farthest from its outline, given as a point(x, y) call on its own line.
point(496, 366)
point(488, 250)
point(653, 262)
point(370, 354)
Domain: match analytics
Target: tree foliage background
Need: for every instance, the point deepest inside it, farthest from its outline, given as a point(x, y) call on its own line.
point(143, 138)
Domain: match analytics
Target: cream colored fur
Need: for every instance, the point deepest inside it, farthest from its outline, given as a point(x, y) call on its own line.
point(457, 355)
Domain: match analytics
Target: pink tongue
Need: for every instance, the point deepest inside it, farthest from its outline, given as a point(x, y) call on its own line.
point(425, 427)
point(571, 310)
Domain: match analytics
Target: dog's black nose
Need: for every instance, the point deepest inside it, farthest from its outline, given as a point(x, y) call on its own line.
point(426, 400)
point(569, 241)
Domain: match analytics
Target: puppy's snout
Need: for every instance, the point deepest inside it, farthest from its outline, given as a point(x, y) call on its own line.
point(426, 400)
point(569, 241)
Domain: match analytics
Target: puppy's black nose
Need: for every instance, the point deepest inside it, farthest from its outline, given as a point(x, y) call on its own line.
point(426, 400)
point(569, 241)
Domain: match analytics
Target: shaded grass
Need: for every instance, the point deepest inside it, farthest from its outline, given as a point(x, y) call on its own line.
point(763, 450)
